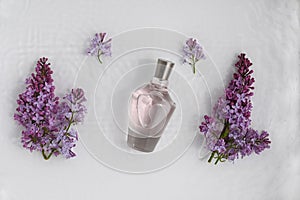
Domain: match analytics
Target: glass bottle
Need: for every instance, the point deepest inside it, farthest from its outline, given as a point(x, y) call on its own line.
point(150, 109)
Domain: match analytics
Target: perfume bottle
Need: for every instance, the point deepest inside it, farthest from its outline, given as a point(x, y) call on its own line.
point(150, 109)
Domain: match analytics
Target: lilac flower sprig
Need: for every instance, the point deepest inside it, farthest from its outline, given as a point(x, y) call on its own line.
point(37, 108)
point(47, 122)
point(100, 47)
point(227, 132)
point(71, 112)
point(193, 52)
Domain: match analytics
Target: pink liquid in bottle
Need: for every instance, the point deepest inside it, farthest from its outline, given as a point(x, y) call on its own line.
point(150, 109)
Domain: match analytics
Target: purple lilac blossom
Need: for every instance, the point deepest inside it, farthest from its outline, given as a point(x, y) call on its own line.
point(193, 52)
point(233, 110)
point(37, 108)
point(99, 47)
point(47, 122)
point(70, 112)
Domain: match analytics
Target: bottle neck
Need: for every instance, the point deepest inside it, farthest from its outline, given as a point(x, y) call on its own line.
point(160, 83)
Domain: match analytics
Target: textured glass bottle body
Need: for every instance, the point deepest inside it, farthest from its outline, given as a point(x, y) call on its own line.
point(150, 109)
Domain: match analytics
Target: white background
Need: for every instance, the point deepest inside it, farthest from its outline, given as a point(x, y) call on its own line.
point(268, 31)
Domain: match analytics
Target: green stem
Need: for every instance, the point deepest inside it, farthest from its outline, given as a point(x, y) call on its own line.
point(225, 130)
point(98, 56)
point(194, 68)
point(45, 156)
point(211, 156)
point(193, 64)
point(219, 157)
point(70, 122)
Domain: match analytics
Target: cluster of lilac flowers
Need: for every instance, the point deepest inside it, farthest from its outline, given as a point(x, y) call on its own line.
point(193, 52)
point(227, 131)
point(48, 122)
point(99, 47)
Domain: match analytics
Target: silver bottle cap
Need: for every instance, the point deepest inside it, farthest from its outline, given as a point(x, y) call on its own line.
point(163, 69)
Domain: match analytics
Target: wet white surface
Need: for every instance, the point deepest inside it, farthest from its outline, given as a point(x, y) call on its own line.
point(268, 31)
